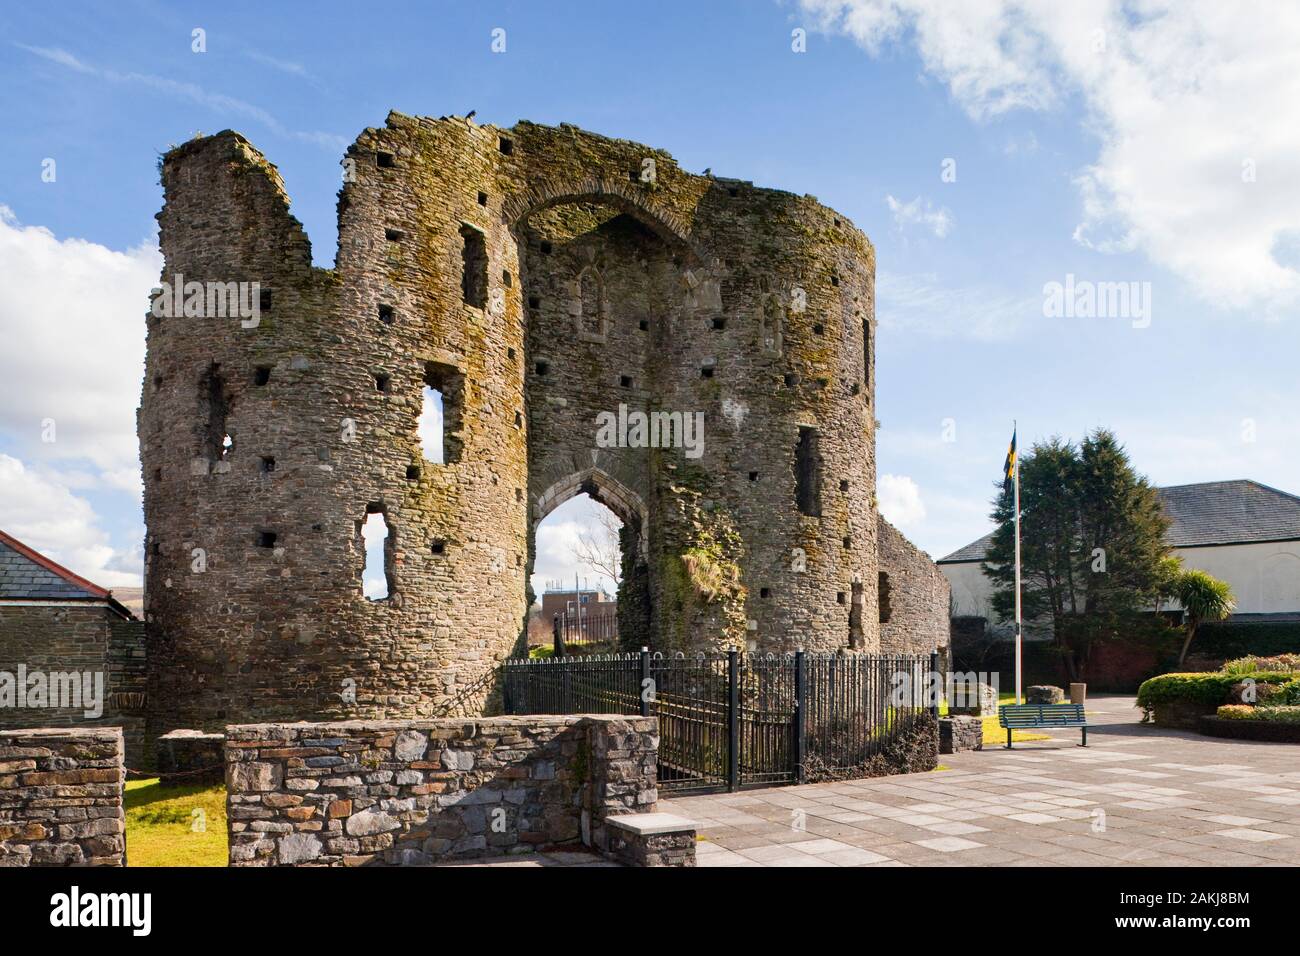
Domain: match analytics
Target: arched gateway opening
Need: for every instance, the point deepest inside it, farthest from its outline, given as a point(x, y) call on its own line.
point(593, 574)
point(606, 284)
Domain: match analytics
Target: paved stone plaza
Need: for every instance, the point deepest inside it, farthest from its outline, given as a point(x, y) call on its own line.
point(1137, 796)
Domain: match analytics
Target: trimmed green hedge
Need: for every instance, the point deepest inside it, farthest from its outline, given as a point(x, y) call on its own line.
point(1207, 689)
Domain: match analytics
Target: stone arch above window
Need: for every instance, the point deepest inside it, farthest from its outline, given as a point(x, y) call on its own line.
point(591, 309)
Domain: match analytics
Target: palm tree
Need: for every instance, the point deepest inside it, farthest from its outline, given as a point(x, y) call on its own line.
point(1168, 572)
point(1204, 598)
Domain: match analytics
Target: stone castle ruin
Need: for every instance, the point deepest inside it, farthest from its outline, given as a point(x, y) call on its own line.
point(542, 280)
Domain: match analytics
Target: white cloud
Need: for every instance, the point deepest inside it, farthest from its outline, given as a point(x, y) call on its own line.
point(557, 540)
point(73, 315)
point(900, 500)
point(41, 512)
point(1182, 95)
point(920, 212)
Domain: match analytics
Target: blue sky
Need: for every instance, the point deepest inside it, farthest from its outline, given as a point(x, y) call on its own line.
point(1114, 145)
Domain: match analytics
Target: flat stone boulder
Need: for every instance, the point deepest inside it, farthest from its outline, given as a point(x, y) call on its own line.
point(1044, 694)
point(298, 848)
point(370, 822)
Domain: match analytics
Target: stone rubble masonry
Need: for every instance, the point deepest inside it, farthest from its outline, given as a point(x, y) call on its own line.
point(91, 639)
point(401, 793)
point(61, 797)
point(958, 733)
point(537, 279)
point(918, 597)
point(652, 839)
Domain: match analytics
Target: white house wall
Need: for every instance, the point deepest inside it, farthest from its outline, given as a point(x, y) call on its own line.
point(1264, 577)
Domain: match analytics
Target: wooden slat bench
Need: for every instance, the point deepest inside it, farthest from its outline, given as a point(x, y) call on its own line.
point(1032, 716)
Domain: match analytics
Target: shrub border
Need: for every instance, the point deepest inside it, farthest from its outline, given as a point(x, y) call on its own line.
point(1265, 730)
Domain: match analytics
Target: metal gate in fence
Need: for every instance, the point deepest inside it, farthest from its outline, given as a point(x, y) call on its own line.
point(734, 720)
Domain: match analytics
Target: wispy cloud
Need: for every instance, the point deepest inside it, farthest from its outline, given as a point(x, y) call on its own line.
point(291, 67)
point(920, 212)
point(177, 89)
point(925, 304)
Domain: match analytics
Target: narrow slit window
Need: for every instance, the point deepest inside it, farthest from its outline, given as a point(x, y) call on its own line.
point(441, 412)
point(808, 474)
point(474, 267)
point(377, 545)
point(866, 352)
point(857, 639)
point(217, 443)
point(882, 596)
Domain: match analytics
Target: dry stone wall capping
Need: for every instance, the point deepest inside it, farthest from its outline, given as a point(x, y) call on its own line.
point(391, 793)
point(538, 277)
point(61, 797)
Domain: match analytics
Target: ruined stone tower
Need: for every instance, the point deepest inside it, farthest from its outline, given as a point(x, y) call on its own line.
point(537, 277)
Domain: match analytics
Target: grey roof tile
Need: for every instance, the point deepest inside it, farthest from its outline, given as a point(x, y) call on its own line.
point(1211, 512)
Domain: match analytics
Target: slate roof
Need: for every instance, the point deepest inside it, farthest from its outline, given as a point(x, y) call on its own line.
point(26, 574)
point(1212, 512)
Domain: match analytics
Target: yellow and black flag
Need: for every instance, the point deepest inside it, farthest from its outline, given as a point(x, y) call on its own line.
point(1009, 469)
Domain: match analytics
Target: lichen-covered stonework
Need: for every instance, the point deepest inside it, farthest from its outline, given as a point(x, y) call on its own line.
point(538, 277)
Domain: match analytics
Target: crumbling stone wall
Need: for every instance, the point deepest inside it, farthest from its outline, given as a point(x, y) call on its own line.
point(61, 797)
point(539, 276)
point(406, 793)
point(916, 597)
point(70, 639)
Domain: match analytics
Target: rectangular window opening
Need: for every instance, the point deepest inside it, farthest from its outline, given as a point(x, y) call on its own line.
point(474, 267)
point(808, 479)
point(378, 547)
point(882, 596)
point(441, 413)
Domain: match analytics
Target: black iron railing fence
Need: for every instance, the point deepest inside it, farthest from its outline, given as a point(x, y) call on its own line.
point(732, 720)
point(580, 633)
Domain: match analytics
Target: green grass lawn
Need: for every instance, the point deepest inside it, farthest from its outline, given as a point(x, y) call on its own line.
point(162, 828)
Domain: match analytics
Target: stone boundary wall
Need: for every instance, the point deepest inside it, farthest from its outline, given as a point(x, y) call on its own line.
point(61, 797)
point(385, 793)
point(913, 598)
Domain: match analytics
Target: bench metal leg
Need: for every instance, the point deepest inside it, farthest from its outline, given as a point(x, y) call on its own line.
point(1008, 738)
point(1085, 736)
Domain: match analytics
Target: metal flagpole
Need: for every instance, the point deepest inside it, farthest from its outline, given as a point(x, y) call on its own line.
point(1015, 464)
